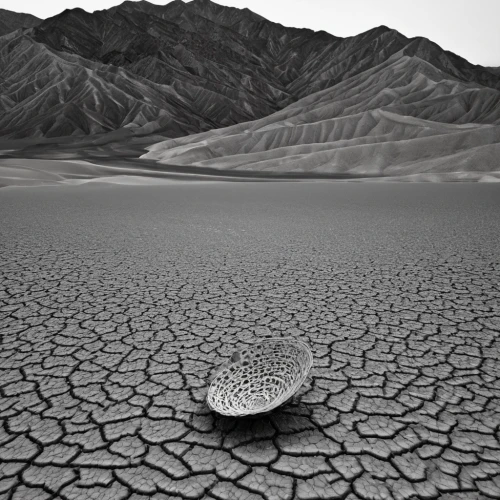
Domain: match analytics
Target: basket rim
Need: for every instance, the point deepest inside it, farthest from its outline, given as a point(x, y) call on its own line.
point(278, 401)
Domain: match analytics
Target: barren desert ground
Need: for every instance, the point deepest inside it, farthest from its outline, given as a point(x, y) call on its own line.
point(117, 303)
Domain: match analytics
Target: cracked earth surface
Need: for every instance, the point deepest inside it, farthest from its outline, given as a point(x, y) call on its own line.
point(117, 303)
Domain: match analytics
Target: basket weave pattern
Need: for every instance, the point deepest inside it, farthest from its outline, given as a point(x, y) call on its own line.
point(260, 378)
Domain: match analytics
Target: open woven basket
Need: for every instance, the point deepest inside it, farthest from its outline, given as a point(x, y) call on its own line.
point(260, 378)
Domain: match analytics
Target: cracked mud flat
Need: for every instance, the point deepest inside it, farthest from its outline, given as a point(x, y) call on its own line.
point(118, 302)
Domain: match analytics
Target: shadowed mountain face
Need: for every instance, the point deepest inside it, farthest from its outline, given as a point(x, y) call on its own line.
point(11, 21)
point(185, 68)
point(64, 94)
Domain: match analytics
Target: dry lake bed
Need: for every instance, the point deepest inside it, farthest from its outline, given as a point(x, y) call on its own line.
point(117, 303)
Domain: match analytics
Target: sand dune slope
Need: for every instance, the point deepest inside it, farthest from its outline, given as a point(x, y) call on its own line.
point(404, 116)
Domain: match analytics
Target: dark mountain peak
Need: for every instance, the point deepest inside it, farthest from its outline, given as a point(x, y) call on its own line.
point(223, 12)
point(166, 11)
point(70, 30)
point(420, 43)
point(74, 11)
point(4, 13)
point(66, 15)
point(207, 4)
point(141, 5)
point(203, 64)
point(381, 31)
point(12, 21)
point(451, 63)
point(127, 3)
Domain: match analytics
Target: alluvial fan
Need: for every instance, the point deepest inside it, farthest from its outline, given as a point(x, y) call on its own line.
point(260, 378)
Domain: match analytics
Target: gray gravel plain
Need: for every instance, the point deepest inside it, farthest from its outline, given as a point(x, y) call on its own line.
point(117, 303)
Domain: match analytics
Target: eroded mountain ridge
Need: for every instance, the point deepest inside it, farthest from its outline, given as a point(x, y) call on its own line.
point(182, 68)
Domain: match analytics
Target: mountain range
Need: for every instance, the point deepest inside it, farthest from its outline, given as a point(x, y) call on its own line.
point(224, 88)
point(11, 21)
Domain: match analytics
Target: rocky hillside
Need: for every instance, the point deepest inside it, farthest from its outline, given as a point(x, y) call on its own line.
point(403, 117)
point(185, 68)
point(12, 21)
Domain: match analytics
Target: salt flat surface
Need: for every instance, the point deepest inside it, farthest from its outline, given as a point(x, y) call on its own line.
point(117, 302)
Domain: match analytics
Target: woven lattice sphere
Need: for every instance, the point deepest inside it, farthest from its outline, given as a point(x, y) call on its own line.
point(260, 378)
